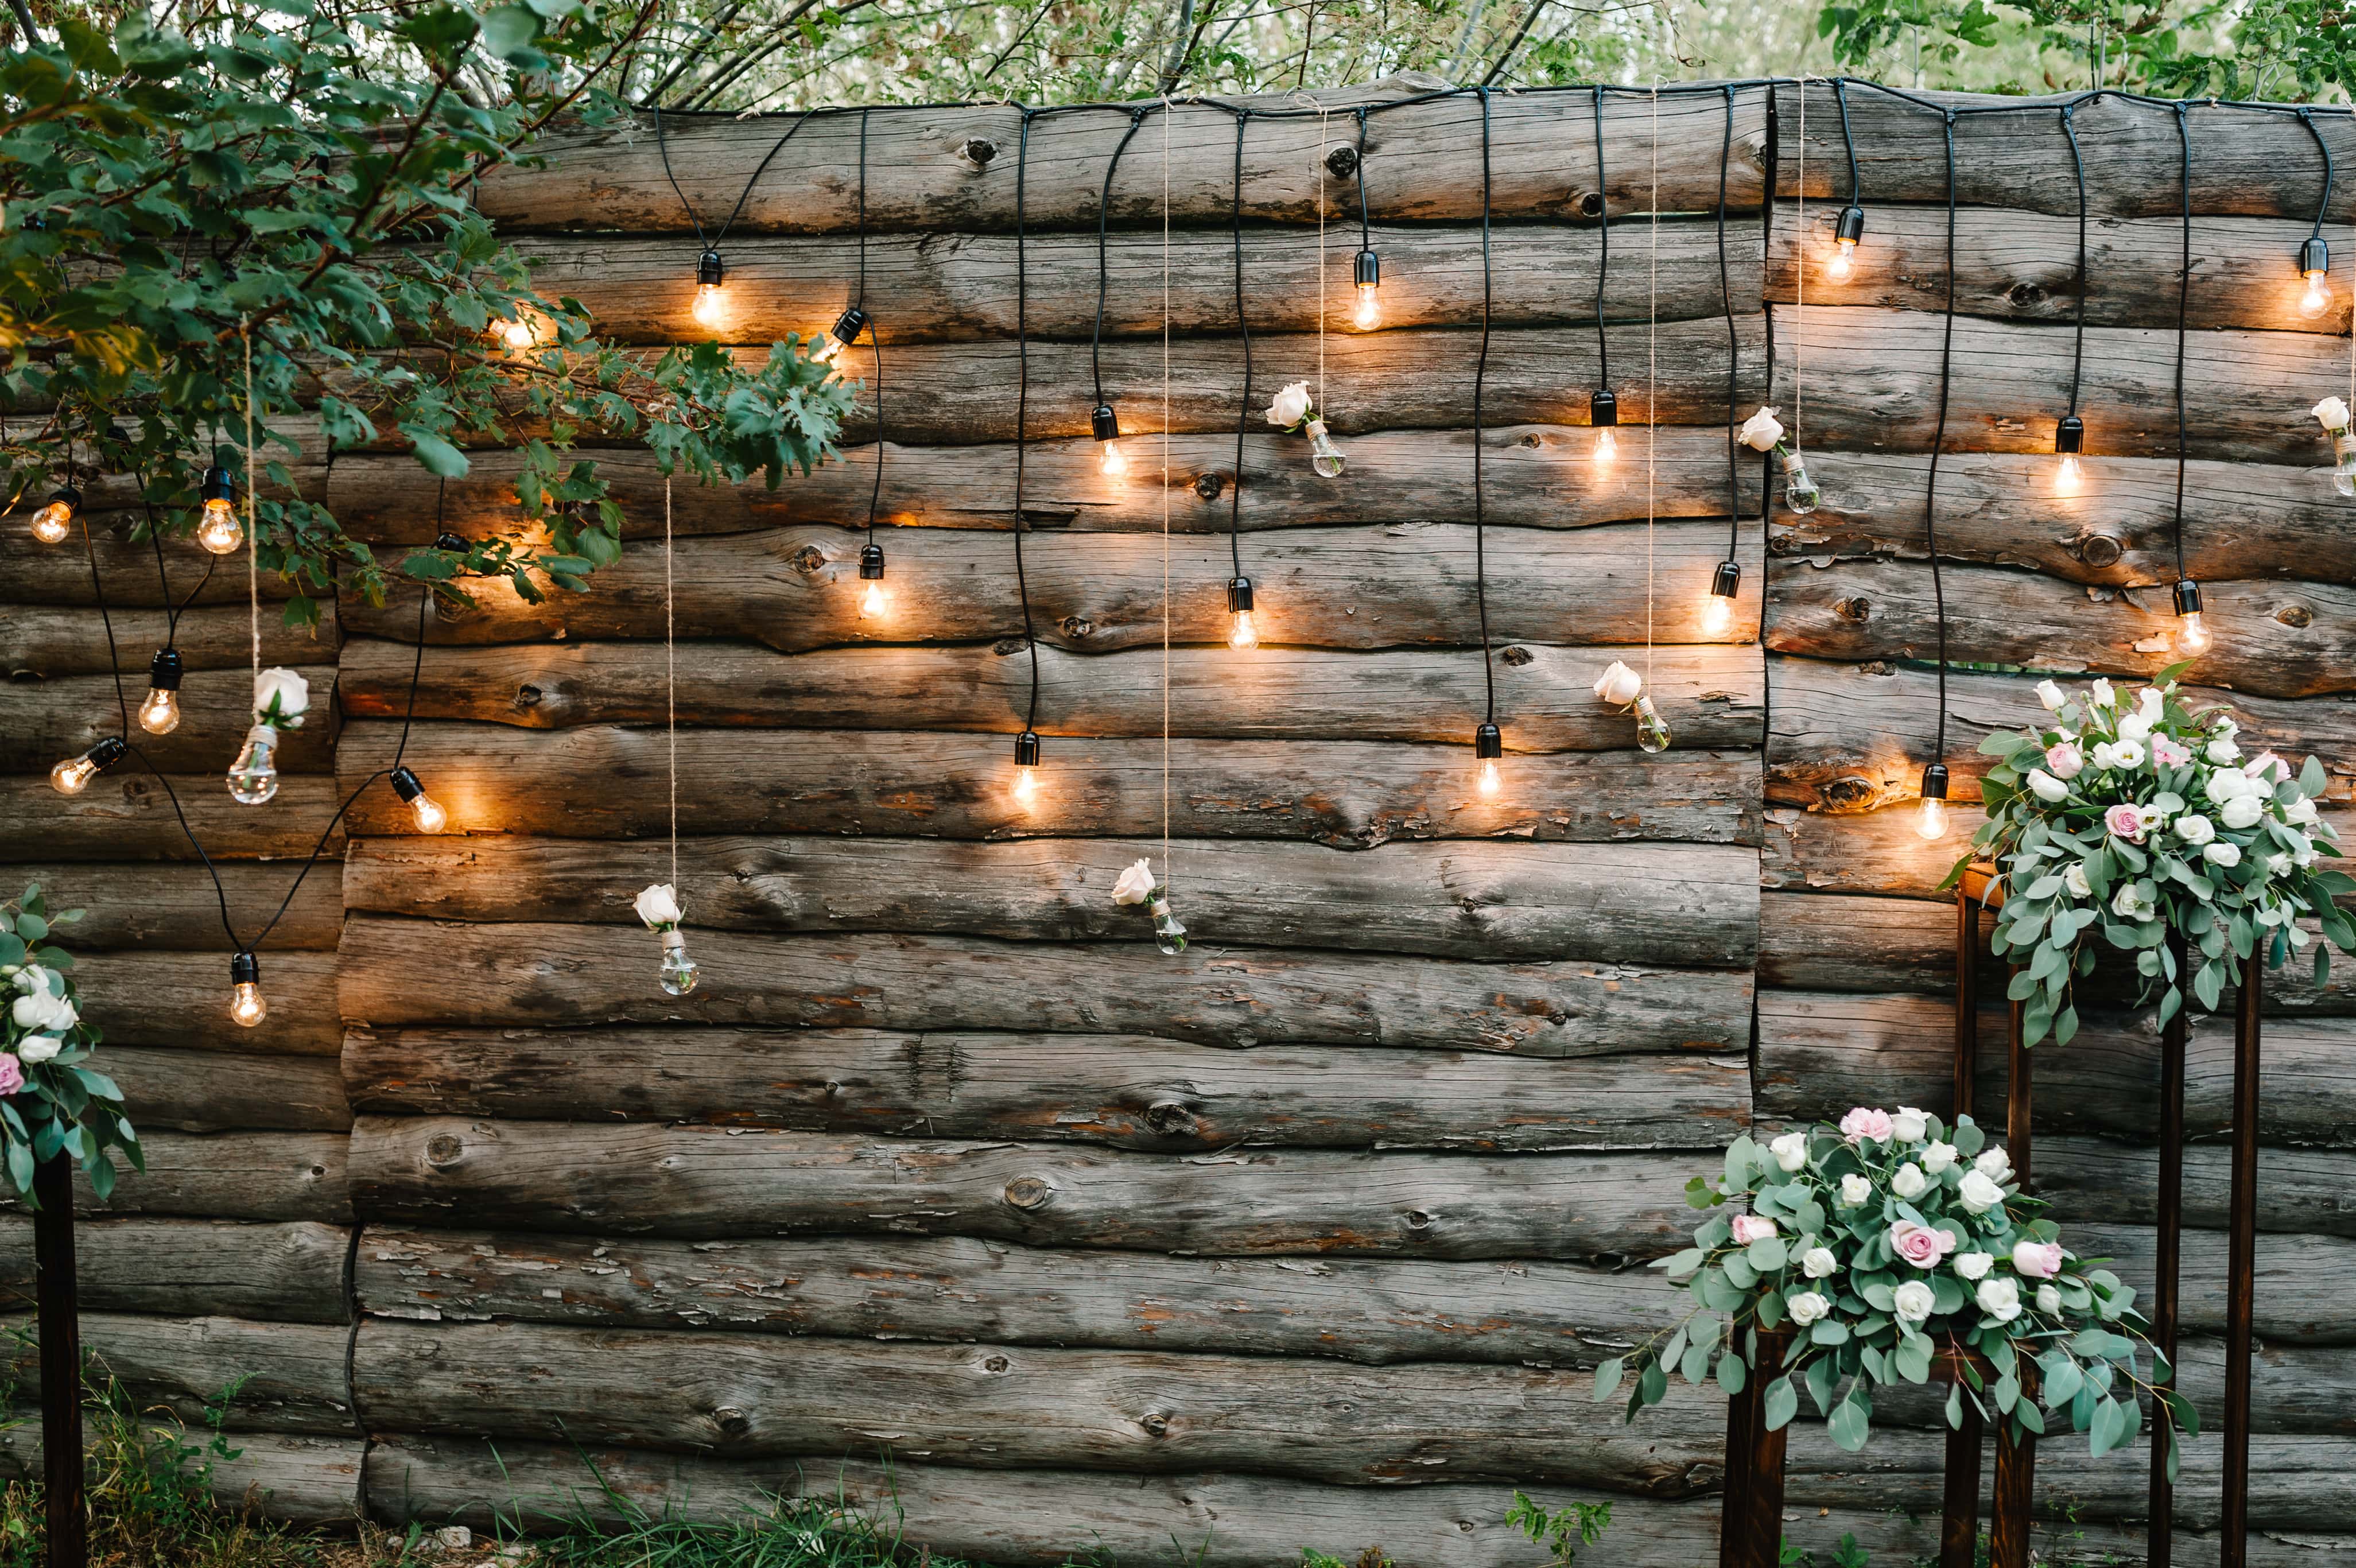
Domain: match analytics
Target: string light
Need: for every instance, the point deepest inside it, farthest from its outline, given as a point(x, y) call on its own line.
point(1849, 228)
point(847, 328)
point(2070, 434)
point(1726, 582)
point(159, 713)
point(218, 530)
point(1104, 425)
point(72, 776)
point(1603, 407)
point(431, 817)
point(2314, 255)
point(1026, 769)
point(1103, 422)
point(247, 1007)
point(1026, 743)
point(1488, 745)
point(1718, 605)
point(2069, 440)
point(1241, 632)
point(55, 520)
point(877, 599)
point(710, 310)
point(2192, 637)
point(1366, 268)
point(1931, 819)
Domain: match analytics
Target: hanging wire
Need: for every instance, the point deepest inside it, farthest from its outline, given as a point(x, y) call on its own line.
point(712, 243)
point(1938, 444)
point(1652, 375)
point(1479, 380)
point(1848, 137)
point(2183, 298)
point(1104, 220)
point(670, 681)
point(1365, 240)
point(1799, 297)
point(1168, 871)
point(252, 494)
point(1726, 299)
point(1603, 234)
point(1023, 404)
point(2078, 162)
point(1323, 132)
point(1243, 327)
point(874, 337)
point(2323, 204)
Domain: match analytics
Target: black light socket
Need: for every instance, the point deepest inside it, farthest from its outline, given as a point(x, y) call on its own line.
point(2188, 597)
point(1240, 595)
point(850, 325)
point(1026, 750)
point(1103, 422)
point(871, 562)
point(71, 496)
point(1488, 741)
point(164, 669)
point(709, 269)
point(2070, 435)
point(1934, 781)
point(1851, 226)
point(2314, 256)
point(109, 751)
point(244, 969)
point(450, 542)
point(1604, 409)
point(216, 486)
point(1367, 270)
point(405, 785)
point(1726, 581)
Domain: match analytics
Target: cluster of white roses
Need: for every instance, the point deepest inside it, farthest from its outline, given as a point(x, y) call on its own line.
point(51, 1095)
point(43, 1011)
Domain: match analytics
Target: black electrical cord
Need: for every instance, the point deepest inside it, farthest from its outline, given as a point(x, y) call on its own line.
point(1939, 442)
point(2306, 118)
point(1104, 217)
point(1365, 239)
point(1022, 406)
point(1480, 379)
point(874, 338)
point(98, 593)
point(1603, 217)
point(1243, 327)
point(1848, 139)
point(1726, 297)
point(2183, 298)
point(663, 146)
point(2078, 162)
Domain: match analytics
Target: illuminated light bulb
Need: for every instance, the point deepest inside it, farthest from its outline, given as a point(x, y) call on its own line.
point(1490, 783)
point(1104, 425)
point(246, 1005)
point(72, 776)
point(1846, 232)
point(1241, 632)
point(519, 334)
point(160, 713)
point(1840, 269)
point(218, 530)
point(1603, 414)
point(2315, 264)
point(847, 328)
point(2069, 478)
point(1931, 821)
point(2191, 635)
point(2069, 440)
point(1718, 605)
point(1488, 745)
point(431, 818)
point(55, 520)
point(711, 311)
point(1368, 275)
point(875, 601)
point(253, 778)
point(1026, 768)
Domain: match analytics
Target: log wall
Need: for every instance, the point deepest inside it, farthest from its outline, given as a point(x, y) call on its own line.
point(946, 1191)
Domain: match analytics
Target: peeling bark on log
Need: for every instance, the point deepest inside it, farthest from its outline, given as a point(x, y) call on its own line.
point(288, 1376)
point(1347, 794)
point(961, 287)
point(125, 815)
point(749, 1396)
point(799, 588)
point(1685, 904)
point(290, 1272)
point(294, 1479)
point(67, 717)
point(2011, 383)
point(272, 1176)
point(182, 1000)
point(210, 1091)
point(704, 1182)
point(44, 642)
point(1712, 695)
point(1423, 162)
point(571, 975)
point(1127, 1092)
point(175, 908)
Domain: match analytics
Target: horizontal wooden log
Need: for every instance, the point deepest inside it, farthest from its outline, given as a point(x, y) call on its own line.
point(292, 1478)
point(1424, 161)
point(2096, 1181)
point(2298, 1301)
point(962, 1290)
point(1125, 1091)
point(295, 444)
point(1532, 475)
point(1348, 794)
point(32, 572)
point(290, 1272)
point(960, 286)
point(211, 1091)
point(799, 588)
point(2244, 520)
point(1710, 695)
point(282, 1376)
point(178, 908)
point(1875, 374)
point(1022, 1408)
point(1820, 1053)
point(261, 1176)
point(2273, 639)
point(50, 720)
point(718, 1182)
point(1686, 904)
point(571, 975)
point(42, 642)
point(1851, 737)
point(2250, 163)
point(124, 815)
point(181, 998)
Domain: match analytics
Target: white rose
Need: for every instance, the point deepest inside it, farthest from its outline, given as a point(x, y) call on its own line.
point(2000, 1299)
point(1937, 1157)
point(658, 905)
point(2278, 864)
point(2134, 726)
point(2127, 753)
point(1807, 1307)
point(2048, 1299)
point(2152, 703)
point(1819, 1263)
point(1911, 1125)
point(1289, 406)
point(1618, 683)
point(2332, 413)
point(2051, 696)
point(1914, 1301)
point(39, 1047)
point(2300, 812)
point(2047, 787)
point(1760, 431)
point(1910, 1181)
point(1993, 1163)
point(2130, 905)
point(2222, 854)
point(1855, 1189)
point(291, 693)
point(2243, 811)
point(2230, 784)
point(1791, 1151)
point(1136, 883)
point(2222, 750)
point(32, 977)
point(2105, 757)
point(41, 1010)
point(2075, 879)
point(2195, 829)
point(1978, 1193)
point(1975, 1265)
point(2102, 696)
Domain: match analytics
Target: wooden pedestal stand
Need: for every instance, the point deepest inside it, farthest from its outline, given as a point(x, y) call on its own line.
point(60, 1330)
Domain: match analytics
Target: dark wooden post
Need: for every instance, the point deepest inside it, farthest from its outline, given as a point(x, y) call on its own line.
point(2015, 1486)
point(1959, 1515)
point(1750, 1532)
point(2021, 1082)
point(2167, 1251)
point(61, 1329)
point(2242, 1266)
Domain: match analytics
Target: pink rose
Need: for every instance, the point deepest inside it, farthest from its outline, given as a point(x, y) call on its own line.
point(2037, 1260)
point(2064, 760)
point(12, 1074)
point(2168, 753)
point(2266, 762)
point(1750, 1227)
point(1919, 1244)
point(1861, 1123)
point(2124, 821)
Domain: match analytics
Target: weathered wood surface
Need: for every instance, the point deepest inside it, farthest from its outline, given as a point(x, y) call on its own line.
point(964, 1289)
point(1875, 376)
point(1819, 1053)
point(209, 1091)
point(570, 975)
point(700, 1182)
point(1129, 1091)
point(1021, 1407)
point(1712, 695)
point(292, 1478)
point(58, 576)
point(2297, 1302)
point(592, 783)
point(124, 815)
point(2096, 1181)
point(43, 642)
point(1402, 586)
point(290, 1272)
point(2273, 640)
point(177, 908)
point(1532, 475)
point(295, 442)
point(2017, 265)
point(2258, 164)
point(67, 717)
point(1685, 904)
point(1854, 737)
point(143, 998)
point(261, 1175)
point(959, 286)
point(1423, 162)
point(288, 1376)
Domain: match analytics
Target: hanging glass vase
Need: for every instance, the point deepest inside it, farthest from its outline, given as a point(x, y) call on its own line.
point(253, 778)
point(2343, 460)
point(1168, 934)
point(1652, 731)
point(1323, 455)
point(1800, 491)
point(678, 972)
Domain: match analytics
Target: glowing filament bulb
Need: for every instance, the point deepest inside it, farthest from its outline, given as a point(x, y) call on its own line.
point(246, 1006)
point(874, 601)
point(1932, 822)
point(1843, 265)
point(2192, 637)
point(1026, 768)
point(519, 334)
point(2317, 297)
point(711, 311)
point(1114, 464)
point(1489, 782)
point(160, 713)
point(1026, 783)
point(1717, 615)
point(55, 520)
point(218, 530)
point(2069, 476)
point(1242, 633)
point(1607, 447)
point(427, 810)
point(73, 775)
point(1369, 313)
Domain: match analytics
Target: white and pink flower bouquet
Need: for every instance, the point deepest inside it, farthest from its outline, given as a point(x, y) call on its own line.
point(1877, 1246)
point(2127, 819)
point(51, 1101)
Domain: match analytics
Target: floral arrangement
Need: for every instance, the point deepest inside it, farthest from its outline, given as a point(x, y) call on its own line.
point(281, 701)
point(1136, 885)
point(1762, 432)
point(2135, 819)
point(1292, 409)
point(2333, 414)
point(658, 906)
point(1878, 1244)
point(49, 1101)
point(1625, 689)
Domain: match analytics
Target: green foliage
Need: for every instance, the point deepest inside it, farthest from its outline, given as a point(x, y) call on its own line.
point(62, 1105)
point(1563, 1531)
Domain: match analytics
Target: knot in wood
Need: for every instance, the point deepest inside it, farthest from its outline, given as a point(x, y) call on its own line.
point(1516, 656)
point(732, 1422)
point(1590, 203)
point(1418, 1219)
point(1078, 627)
point(1210, 485)
point(1170, 1116)
point(977, 151)
point(444, 1150)
point(2026, 293)
point(806, 560)
point(1855, 608)
point(994, 1364)
point(528, 696)
point(1851, 792)
point(2099, 549)
point(1156, 1423)
point(1006, 646)
point(1028, 1192)
point(2298, 616)
point(1342, 162)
